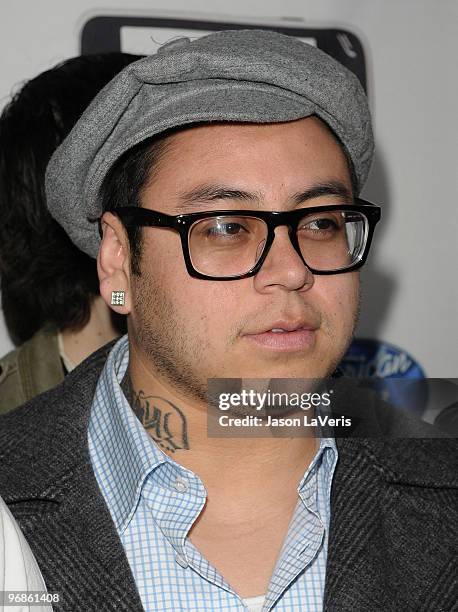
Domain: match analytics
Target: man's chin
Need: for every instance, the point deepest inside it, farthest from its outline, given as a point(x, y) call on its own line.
point(305, 367)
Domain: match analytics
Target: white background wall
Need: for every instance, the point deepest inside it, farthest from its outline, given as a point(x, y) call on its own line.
point(410, 284)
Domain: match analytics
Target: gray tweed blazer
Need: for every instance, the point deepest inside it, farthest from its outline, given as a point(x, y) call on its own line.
point(394, 509)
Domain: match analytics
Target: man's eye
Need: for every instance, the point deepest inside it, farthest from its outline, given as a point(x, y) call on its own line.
point(225, 229)
point(322, 224)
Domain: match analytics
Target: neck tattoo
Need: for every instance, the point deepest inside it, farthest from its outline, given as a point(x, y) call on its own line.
point(163, 420)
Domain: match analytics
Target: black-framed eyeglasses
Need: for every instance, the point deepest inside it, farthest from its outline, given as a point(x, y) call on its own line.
point(233, 244)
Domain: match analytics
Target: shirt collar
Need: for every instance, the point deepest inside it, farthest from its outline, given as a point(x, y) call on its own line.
point(322, 452)
point(324, 462)
point(122, 452)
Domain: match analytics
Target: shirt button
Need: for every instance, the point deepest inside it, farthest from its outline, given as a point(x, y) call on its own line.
point(180, 485)
point(179, 559)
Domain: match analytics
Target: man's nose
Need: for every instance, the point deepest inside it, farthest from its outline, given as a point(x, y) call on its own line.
point(283, 266)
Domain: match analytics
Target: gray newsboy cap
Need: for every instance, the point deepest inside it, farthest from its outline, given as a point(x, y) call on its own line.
point(242, 75)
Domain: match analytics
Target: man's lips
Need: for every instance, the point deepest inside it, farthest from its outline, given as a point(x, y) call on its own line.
point(285, 336)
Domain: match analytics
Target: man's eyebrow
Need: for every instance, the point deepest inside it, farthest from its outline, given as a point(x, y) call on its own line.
point(204, 194)
point(208, 193)
point(329, 188)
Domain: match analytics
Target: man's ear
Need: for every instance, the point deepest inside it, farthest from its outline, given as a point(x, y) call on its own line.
point(113, 265)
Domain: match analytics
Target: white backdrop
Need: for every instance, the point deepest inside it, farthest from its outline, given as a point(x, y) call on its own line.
point(410, 293)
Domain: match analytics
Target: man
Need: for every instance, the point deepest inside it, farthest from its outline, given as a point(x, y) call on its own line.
point(49, 288)
point(225, 173)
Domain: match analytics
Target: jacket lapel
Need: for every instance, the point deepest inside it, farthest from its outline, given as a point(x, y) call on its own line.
point(393, 534)
point(78, 549)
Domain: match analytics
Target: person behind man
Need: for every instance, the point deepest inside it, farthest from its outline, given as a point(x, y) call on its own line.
point(49, 288)
point(225, 175)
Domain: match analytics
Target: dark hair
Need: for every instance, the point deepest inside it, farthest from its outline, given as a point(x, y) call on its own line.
point(129, 175)
point(127, 178)
point(44, 277)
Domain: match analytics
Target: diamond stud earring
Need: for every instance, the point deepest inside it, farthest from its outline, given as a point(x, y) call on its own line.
point(118, 298)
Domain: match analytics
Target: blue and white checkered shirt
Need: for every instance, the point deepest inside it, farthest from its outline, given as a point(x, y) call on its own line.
point(154, 501)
